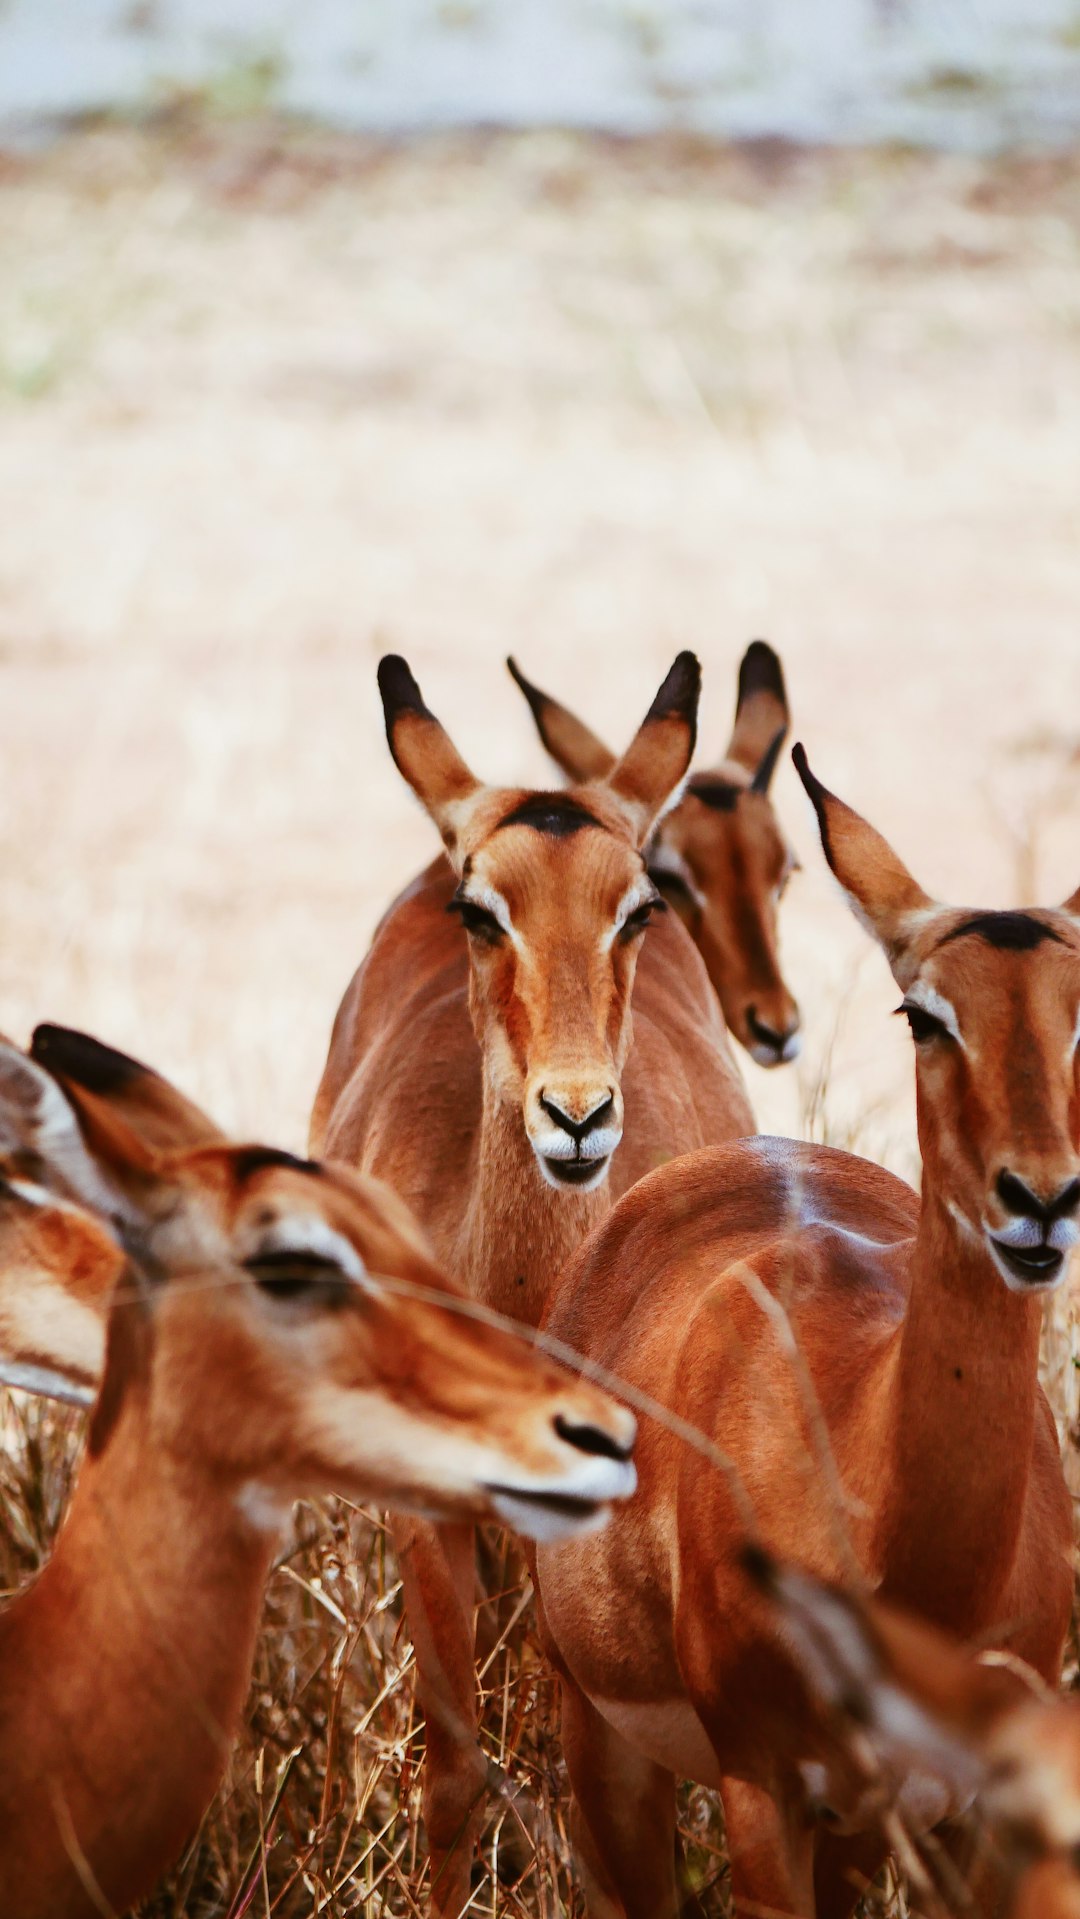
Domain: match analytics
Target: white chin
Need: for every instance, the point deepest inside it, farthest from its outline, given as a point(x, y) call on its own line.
point(768, 1055)
point(1027, 1287)
point(545, 1524)
point(577, 1181)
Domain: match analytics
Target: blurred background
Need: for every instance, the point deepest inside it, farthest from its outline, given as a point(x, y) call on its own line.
point(581, 329)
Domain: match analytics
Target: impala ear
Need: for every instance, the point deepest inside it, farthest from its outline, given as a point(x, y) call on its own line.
point(40, 1136)
point(126, 1134)
point(880, 890)
point(761, 712)
point(861, 1657)
point(571, 745)
point(163, 1118)
point(425, 755)
point(57, 1274)
point(649, 777)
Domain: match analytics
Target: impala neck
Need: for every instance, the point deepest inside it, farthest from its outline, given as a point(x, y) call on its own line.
point(519, 1231)
point(963, 1410)
point(137, 1642)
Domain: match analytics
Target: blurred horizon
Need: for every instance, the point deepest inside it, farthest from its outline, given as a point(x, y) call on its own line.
point(984, 75)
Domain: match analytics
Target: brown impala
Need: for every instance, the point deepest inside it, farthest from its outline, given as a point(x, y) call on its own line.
point(827, 1330)
point(898, 1696)
point(719, 856)
point(256, 1351)
point(515, 1050)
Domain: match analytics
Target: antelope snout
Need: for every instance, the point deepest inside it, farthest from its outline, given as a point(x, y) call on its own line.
point(1033, 1222)
point(573, 1128)
point(773, 1034)
point(592, 1466)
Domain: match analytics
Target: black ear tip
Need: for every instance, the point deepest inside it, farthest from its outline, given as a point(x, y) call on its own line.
point(79, 1057)
point(679, 695)
point(399, 690)
point(761, 672)
point(802, 768)
point(532, 693)
point(758, 1565)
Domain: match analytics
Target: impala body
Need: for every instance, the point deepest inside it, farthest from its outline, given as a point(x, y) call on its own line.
point(513, 1053)
point(279, 1328)
point(868, 1363)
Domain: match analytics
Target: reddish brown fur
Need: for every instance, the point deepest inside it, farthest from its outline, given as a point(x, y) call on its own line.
point(439, 1053)
point(974, 1722)
point(124, 1667)
point(922, 1364)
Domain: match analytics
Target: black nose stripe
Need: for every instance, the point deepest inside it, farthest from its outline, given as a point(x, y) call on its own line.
point(1019, 1198)
point(578, 1129)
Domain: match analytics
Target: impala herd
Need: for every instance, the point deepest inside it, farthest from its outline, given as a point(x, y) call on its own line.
point(537, 1200)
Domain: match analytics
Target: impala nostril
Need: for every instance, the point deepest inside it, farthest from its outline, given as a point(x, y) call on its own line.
point(579, 1129)
point(590, 1439)
point(1014, 1193)
point(767, 1035)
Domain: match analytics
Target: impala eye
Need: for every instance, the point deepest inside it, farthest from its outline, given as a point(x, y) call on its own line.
point(477, 920)
point(924, 1026)
point(638, 920)
point(290, 1273)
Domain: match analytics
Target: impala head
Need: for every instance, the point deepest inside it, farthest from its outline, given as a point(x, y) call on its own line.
point(894, 1695)
point(905, 1694)
point(554, 896)
point(720, 854)
point(259, 1320)
point(993, 1002)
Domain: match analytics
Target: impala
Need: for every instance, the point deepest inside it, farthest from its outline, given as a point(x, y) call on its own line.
point(280, 1328)
point(868, 1365)
point(719, 857)
point(897, 1695)
point(482, 1064)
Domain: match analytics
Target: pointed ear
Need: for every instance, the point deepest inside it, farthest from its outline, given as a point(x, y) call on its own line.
point(163, 1118)
point(40, 1135)
point(425, 755)
point(880, 890)
point(649, 777)
point(119, 1172)
point(57, 1274)
point(761, 709)
point(571, 745)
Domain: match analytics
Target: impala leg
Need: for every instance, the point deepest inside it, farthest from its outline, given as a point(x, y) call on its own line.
point(438, 1571)
point(771, 1849)
point(622, 1821)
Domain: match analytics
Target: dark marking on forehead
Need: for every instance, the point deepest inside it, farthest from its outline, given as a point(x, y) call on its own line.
point(722, 795)
point(253, 1159)
point(1012, 932)
point(97, 1068)
point(559, 814)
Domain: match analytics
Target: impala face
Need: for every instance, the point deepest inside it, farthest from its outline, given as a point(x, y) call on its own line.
point(720, 855)
point(554, 897)
point(725, 848)
point(261, 1316)
point(554, 902)
point(993, 1002)
point(349, 1384)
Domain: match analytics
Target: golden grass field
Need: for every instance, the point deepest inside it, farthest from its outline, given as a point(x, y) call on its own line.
point(274, 402)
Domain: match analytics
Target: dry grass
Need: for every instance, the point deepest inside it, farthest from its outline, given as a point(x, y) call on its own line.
point(270, 401)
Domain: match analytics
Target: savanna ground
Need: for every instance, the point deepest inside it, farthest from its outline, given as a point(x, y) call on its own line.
point(273, 402)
